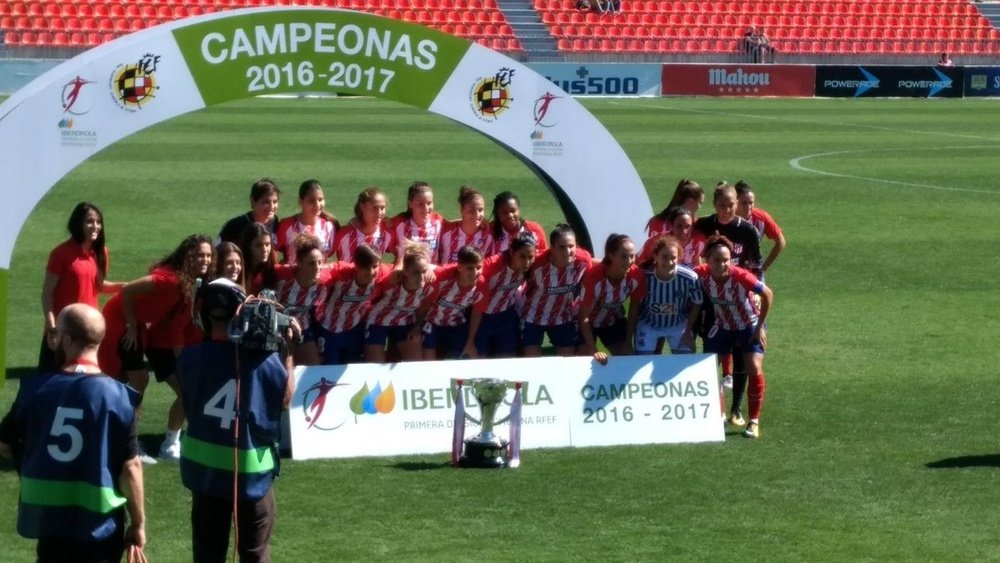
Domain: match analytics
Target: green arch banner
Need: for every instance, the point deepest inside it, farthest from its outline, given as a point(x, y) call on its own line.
point(103, 95)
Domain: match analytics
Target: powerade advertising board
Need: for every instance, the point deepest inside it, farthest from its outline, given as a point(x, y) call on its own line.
point(982, 81)
point(871, 81)
point(605, 79)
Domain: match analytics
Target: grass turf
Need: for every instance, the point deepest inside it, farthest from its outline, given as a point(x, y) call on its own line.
point(879, 440)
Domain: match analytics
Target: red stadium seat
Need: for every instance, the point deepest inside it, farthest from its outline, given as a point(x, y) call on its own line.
point(12, 38)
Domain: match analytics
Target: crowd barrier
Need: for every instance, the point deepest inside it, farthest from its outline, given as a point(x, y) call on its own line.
point(777, 80)
point(981, 81)
point(738, 80)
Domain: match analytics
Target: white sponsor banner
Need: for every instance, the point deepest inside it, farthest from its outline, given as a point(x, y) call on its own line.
point(593, 177)
point(408, 408)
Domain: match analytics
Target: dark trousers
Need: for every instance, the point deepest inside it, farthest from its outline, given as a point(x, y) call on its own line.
point(58, 550)
point(211, 520)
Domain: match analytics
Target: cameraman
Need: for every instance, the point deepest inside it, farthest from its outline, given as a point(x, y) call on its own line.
point(223, 382)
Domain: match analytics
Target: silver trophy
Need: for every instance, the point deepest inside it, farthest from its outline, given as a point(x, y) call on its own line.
point(486, 449)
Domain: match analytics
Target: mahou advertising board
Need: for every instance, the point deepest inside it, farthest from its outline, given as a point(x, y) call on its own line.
point(739, 80)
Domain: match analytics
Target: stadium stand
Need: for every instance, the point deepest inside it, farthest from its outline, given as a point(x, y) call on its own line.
point(918, 27)
point(86, 23)
point(795, 27)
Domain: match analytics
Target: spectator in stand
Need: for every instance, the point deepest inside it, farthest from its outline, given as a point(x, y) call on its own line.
point(945, 61)
point(472, 229)
point(312, 220)
point(507, 223)
point(761, 221)
point(264, 196)
point(600, 6)
point(367, 227)
point(756, 47)
point(550, 297)
point(75, 273)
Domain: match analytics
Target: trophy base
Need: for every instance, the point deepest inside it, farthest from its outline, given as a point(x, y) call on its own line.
point(484, 455)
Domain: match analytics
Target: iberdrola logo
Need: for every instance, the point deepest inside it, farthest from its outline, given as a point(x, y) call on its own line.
point(374, 401)
point(365, 401)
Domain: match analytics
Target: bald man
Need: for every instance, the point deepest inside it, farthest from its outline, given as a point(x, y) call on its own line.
point(72, 435)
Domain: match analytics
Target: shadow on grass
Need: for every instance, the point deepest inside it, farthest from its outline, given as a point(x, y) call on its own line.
point(988, 460)
point(421, 465)
point(6, 465)
point(21, 373)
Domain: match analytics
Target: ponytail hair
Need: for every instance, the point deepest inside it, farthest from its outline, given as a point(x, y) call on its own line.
point(686, 189)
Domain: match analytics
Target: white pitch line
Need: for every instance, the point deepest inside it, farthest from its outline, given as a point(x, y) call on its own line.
point(796, 163)
point(826, 123)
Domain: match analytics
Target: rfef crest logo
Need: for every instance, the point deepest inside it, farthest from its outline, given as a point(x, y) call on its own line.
point(135, 85)
point(491, 95)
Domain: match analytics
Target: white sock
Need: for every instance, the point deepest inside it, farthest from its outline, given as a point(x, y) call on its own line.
point(173, 436)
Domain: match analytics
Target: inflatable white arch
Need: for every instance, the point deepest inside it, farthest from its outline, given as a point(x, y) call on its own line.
point(105, 94)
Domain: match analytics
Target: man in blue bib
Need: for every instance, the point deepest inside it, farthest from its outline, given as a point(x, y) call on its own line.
point(72, 435)
point(233, 396)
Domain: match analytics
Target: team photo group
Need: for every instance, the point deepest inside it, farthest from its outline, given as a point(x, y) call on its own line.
point(416, 286)
point(372, 288)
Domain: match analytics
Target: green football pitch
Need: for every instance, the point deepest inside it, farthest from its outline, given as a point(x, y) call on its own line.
point(879, 435)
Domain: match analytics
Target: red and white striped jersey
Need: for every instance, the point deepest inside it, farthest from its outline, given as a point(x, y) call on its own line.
point(503, 285)
point(551, 293)
point(351, 236)
point(290, 227)
point(393, 305)
point(503, 243)
point(292, 294)
point(449, 301)
point(764, 224)
point(692, 250)
point(453, 237)
point(658, 226)
point(404, 229)
point(343, 304)
point(730, 299)
point(606, 297)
